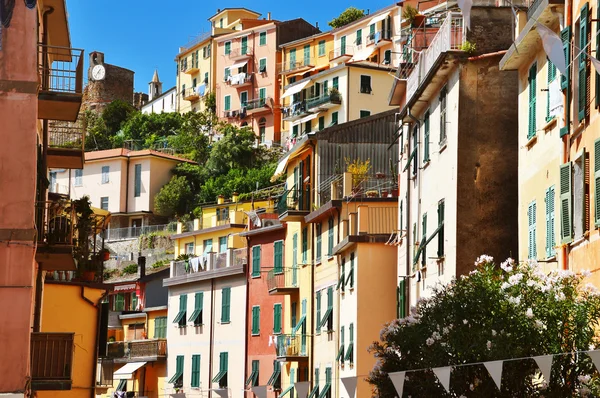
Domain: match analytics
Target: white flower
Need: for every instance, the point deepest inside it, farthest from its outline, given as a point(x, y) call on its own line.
point(586, 273)
point(484, 258)
point(471, 387)
point(531, 282)
point(436, 336)
point(505, 286)
point(494, 333)
point(516, 278)
point(529, 313)
point(465, 321)
point(507, 265)
point(430, 341)
point(584, 378)
point(446, 330)
point(488, 345)
point(539, 324)
point(560, 296)
point(514, 300)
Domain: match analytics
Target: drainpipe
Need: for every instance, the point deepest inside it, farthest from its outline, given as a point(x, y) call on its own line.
point(408, 259)
point(247, 307)
point(567, 118)
point(212, 333)
point(97, 336)
point(127, 190)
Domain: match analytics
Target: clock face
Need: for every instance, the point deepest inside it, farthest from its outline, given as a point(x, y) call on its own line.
point(98, 72)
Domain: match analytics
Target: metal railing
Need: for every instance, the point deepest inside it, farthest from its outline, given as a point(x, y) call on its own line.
point(533, 8)
point(239, 79)
point(256, 104)
point(287, 278)
point(51, 356)
point(292, 65)
point(240, 52)
point(296, 109)
point(289, 345)
point(136, 232)
point(189, 93)
point(137, 349)
point(61, 69)
point(376, 37)
point(239, 257)
point(55, 221)
point(325, 194)
point(104, 375)
point(65, 135)
point(201, 37)
point(382, 220)
point(373, 186)
point(294, 199)
point(338, 52)
point(329, 96)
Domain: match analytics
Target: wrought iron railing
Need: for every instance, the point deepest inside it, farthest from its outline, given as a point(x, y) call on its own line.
point(56, 221)
point(51, 356)
point(239, 79)
point(240, 52)
point(256, 104)
point(190, 92)
point(136, 232)
point(329, 96)
point(65, 135)
point(325, 194)
point(294, 199)
point(60, 69)
point(338, 52)
point(290, 345)
point(298, 108)
point(376, 37)
point(292, 65)
point(137, 349)
point(286, 278)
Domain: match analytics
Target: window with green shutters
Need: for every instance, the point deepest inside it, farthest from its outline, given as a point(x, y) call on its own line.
point(336, 83)
point(334, 118)
point(255, 320)
point(423, 240)
point(228, 102)
point(342, 45)
point(196, 317)
point(177, 379)
point(340, 355)
point(307, 55)
point(180, 318)
point(583, 87)
point(531, 222)
point(243, 98)
point(531, 125)
point(278, 257)
point(350, 277)
point(244, 45)
point(318, 305)
point(441, 211)
point(372, 29)
point(565, 35)
point(254, 375)
point(350, 351)
point(387, 57)
point(262, 39)
point(277, 318)
point(551, 72)
point(262, 65)
point(597, 183)
point(364, 113)
point(550, 241)
point(321, 123)
point(294, 259)
point(330, 237)
point(426, 139)
point(327, 320)
point(401, 311)
point(138, 181)
point(256, 261)
point(292, 58)
point(221, 377)
point(225, 305)
point(321, 48)
point(341, 284)
point(293, 318)
point(195, 371)
point(443, 98)
point(160, 327)
point(304, 245)
point(359, 37)
point(566, 219)
point(119, 302)
point(227, 47)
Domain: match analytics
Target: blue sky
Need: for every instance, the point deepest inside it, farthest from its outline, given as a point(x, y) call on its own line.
point(146, 35)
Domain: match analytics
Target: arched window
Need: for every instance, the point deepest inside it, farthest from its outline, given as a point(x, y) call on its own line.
point(262, 127)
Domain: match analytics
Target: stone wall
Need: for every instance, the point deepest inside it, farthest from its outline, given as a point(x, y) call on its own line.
point(118, 84)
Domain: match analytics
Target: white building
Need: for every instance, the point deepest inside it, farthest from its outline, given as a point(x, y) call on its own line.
point(159, 102)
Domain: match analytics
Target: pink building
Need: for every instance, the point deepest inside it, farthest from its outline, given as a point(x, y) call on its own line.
point(247, 88)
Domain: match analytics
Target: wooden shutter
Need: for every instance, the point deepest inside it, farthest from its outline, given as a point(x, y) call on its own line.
point(597, 55)
point(532, 101)
point(550, 222)
point(585, 166)
point(597, 183)
point(583, 88)
point(401, 313)
point(318, 305)
point(255, 319)
point(277, 318)
point(566, 231)
point(565, 80)
point(278, 263)
point(195, 371)
point(256, 261)
point(426, 139)
point(225, 304)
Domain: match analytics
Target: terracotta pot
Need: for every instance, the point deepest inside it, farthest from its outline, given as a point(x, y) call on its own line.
point(418, 20)
point(105, 255)
point(88, 276)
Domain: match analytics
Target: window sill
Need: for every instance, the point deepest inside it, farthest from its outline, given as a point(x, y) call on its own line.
point(577, 241)
point(550, 259)
point(255, 276)
point(318, 262)
point(426, 164)
point(225, 323)
point(531, 142)
point(443, 146)
point(255, 335)
point(550, 124)
point(330, 257)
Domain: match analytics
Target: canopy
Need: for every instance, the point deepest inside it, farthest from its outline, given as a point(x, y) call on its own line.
point(102, 218)
point(363, 54)
point(281, 165)
point(126, 372)
point(378, 18)
point(295, 89)
point(238, 65)
point(305, 119)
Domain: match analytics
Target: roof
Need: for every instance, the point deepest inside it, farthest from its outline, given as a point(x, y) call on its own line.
point(155, 78)
point(164, 94)
point(368, 16)
point(221, 11)
point(122, 152)
point(305, 39)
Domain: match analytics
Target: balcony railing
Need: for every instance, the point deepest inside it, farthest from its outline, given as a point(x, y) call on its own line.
point(290, 346)
point(294, 111)
point(256, 104)
point(330, 96)
point(377, 37)
point(239, 79)
point(65, 135)
point(210, 261)
point(191, 94)
point(294, 199)
point(294, 65)
point(56, 222)
point(61, 69)
point(136, 232)
point(341, 51)
point(240, 52)
point(280, 281)
point(154, 348)
point(51, 357)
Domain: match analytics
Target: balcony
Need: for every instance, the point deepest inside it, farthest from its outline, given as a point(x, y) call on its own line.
point(341, 54)
point(292, 348)
point(283, 282)
point(56, 221)
point(104, 374)
point(293, 66)
point(370, 222)
point(191, 94)
point(295, 111)
point(51, 361)
point(328, 99)
point(379, 38)
point(61, 77)
point(137, 350)
point(258, 105)
point(239, 53)
point(234, 218)
point(239, 80)
point(294, 205)
point(65, 145)
point(208, 266)
point(191, 68)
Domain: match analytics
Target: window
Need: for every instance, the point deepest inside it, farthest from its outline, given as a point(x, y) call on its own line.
point(134, 301)
point(327, 320)
point(277, 318)
point(262, 94)
point(305, 245)
point(221, 23)
point(335, 83)
point(321, 123)
point(443, 94)
point(243, 98)
point(105, 172)
point(278, 257)
point(227, 47)
point(78, 178)
point(307, 55)
point(423, 246)
point(253, 379)
point(321, 48)
point(441, 210)
point(414, 154)
point(550, 242)
point(262, 123)
point(340, 355)
point(262, 65)
point(228, 102)
point(326, 393)
point(294, 310)
point(222, 244)
point(359, 37)
point(387, 57)
point(227, 73)
point(244, 45)
point(275, 379)
point(256, 261)
point(583, 87)
point(119, 302)
point(295, 251)
point(137, 189)
point(225, 304)
point(194, 82)
point(350, 352)
point(597, 182)
point(221, 377)
point(341, 284)
point(180, 317)
point(426, 138)
point(196, 317)
point(372, 30)
point(295, 131)
point(206, 78)
point(104, 203)
point(531, 217)
point(532, 101)
point(207, 244)
point(350, 278)
point(334, 118)
point(318, 305)
point(177, 379)
point(189, 248)
point(183, 90)
point(318, 244)
point(315, 391)
point(566, 229)
point(551, 76)
point(364, 113)
point(365, 84)
point(330, 237)
point(401, 310)
point(579, 195)
point(255, 320)
point(262, 41)
point(342, 45)
point(292, 58)
point(160, 327)
point(195, 371)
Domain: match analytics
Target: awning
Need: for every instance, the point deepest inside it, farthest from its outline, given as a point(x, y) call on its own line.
point(281, 165)
point(125, 288)
point(299, 324)
point(295, 89)
point(300, 73)
point(238, 65)
point(126, 372)
point(290, 388)
point(102, 218)
point(305, 119)
point(378, 18)
point(362, 54)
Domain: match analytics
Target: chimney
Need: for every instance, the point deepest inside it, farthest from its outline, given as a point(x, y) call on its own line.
point(220, 199)
point(269, 16)
point(141, 267)
point(218, 10)
point(234, 197)
point(317, 25)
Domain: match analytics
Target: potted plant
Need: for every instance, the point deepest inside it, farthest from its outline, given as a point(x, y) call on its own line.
point(105, 254)
point(359, 170)
point(372, 194)
point(87, 262)
point(413, 16)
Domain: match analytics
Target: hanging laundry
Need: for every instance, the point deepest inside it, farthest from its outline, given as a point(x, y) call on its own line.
point(194, 262)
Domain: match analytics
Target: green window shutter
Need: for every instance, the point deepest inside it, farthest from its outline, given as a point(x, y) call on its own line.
point(255, 320)
point(441, 210)
point(532, 220)
point(179, 364)
point(183, 308)
point(343, 45)
point(227, 102)
point(330, 237)
point(423, 240)
point(336, 83)
point(532, 101)
point(195, 371)
point(321, 123)
point(359, 37)
point(304, 245)
point(227, 48)
point(138, 181)
point(550, 242)
point(426, 139)
point(293, 58)
point(262, 92)
point(294, 310)
point(307, 55)
point(244, 98)
point(330, 298)
point(443, 95)
point(350, 353)
point(318, 305)
point(295, 250)
point(278, 257)
point(340, 354)
point(119, 302)
point(597, 183)
point(597, 54)
point(256, 261)
point(342, 275)
point(350, 278)
point(318, 233)
point(321, 48)
point(372, 29)
point(566, 228)
point(334, 118)
point(401, 313)
point(263, 38)
point(583, 63)
point(225, 304)
point(551, 76)
point(244, 45)
point(277, 318)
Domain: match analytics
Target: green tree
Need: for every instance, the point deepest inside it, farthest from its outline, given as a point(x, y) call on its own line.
point(234, 150)
point(115, 114)
point(515, 311)
point(97, 136)
point(192, 137)
point(150, 130)
point(350, 15)
point(174, 199)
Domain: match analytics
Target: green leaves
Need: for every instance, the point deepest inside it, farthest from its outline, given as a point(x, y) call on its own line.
point(350, 15)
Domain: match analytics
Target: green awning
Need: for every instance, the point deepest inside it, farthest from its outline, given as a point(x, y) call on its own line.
point(314, 393)
point(175, 377)
point(299, 324)
point(179, 317)
point(340, 353)
point(412, 155)
point(326, 389)
point(350, 352)
point(424, 245)
point(274, 377)
point(252, 379)
point(122, 385)
point(325, 318)
point(195, 315)
point(290, 388)
point(219, 376)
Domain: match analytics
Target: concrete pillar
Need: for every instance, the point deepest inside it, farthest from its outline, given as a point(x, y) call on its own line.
point(347, 184)
point(363, 219)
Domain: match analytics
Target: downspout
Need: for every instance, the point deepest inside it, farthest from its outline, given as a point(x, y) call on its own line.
point(247, 307)
point(127, 189)
point(567, 118)
point(408, 259)
point(347, 96)
point(212, 332)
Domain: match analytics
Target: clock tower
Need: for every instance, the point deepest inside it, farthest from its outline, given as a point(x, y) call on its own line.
point(97, 70)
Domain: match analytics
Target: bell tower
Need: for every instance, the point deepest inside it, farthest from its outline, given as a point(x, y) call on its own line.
point(155, 87)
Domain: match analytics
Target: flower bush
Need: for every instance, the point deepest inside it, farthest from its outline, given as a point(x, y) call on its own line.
point(495, 313)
